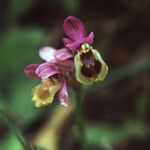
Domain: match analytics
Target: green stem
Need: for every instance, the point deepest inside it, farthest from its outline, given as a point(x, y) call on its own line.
point(15, 131)
point(80, 118)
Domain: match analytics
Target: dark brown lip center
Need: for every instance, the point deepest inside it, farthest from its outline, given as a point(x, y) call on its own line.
point(44, 91)
point(91, 67)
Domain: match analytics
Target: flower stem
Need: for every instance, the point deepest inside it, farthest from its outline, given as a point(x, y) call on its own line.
point(16, 132)
point(80, 118)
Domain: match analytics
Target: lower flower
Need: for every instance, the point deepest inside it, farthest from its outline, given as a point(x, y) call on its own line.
point(52, 74)
point(89, 65)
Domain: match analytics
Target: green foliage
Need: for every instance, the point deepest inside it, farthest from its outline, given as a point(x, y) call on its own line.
point(142, 106)
point(14, 138)
point(105, 136)
point(19, 47)
point(10, 143)
point(20, 102)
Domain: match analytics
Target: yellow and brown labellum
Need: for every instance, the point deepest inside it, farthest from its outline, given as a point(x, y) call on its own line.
point(91, 67)
point(44, 93)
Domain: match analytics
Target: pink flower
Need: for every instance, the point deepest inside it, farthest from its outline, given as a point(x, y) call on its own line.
point(51, 73)
point(76, 34)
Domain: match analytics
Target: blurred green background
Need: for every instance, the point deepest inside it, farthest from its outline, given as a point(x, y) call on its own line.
point(116, 110)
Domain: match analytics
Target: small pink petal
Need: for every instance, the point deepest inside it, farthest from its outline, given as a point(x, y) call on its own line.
point(66, 41)
point(47, 69)
point(74, 28)
point(47, 53)
point(65, 66)
point(89, 39)
point(63, 54)
point(30, 71)
point(75, 46)
point(63, 93)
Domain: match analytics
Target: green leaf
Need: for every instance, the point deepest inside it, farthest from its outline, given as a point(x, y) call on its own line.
point(15, 131)
point(10, 142)
point(142, 106)
point(105, 136)
point(19, 47)
point(21, 103)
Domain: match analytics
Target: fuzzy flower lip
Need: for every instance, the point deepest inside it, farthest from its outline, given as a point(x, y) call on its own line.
point(76, 33)
point(89, 65)
point(43, 94)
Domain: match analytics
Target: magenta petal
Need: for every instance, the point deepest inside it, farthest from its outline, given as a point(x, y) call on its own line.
point(63, 54)
point(63, 93)
point(74, 28)
point(75, 46)
point(30, 70)
point(89, 39)
point(47, 69)
point(47, 53)
point(66, 41)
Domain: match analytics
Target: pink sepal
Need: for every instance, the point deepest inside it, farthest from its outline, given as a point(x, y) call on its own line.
point(76, 34)
point(30, 71)
point(63, 54)
point(75, 46)
point(63, 93)
point(47, 53)
point(74, 28)
point(47, 69)
point(66, 41)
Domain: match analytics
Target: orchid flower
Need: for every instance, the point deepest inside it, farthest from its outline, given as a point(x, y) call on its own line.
point(89, 65)
point(51, 73)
